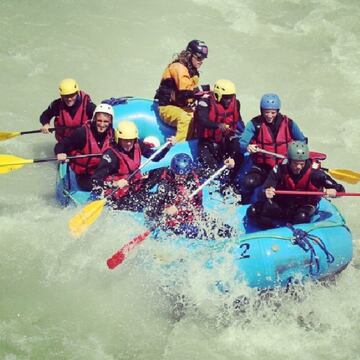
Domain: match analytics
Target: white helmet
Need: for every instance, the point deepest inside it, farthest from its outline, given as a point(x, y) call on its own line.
point(106, 109)
point(152, 141)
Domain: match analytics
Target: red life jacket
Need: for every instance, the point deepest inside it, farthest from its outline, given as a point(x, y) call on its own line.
point(65, 125)
point(88, 165)
point(220, 115)
point(188, 209)
point(304, 183)
point(126, 167)
point(265, 139)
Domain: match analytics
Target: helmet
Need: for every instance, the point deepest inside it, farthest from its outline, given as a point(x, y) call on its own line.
point(181, 164)
point(152, 141)
point(197, 48)
point(105, 109)
point(126, 130)
point(68, 87)
point(298, 150)
point(270, 102)
point(223, 87)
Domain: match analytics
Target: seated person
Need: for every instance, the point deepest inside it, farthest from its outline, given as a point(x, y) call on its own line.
point(298, 173)
point(118, 177)
point(177, 87)
point(217, 118)
point(73, 109)
point(92, 138)
point(171, 207)
point(270, 131)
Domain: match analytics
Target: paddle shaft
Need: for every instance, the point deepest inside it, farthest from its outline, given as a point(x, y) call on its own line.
point(212, 177)
point(312, 193)
point(271, 153)
point(69, 157)
point(157, 152)
point(352, 178)
point(118, 257)
point(312, 154)
point(34, 131)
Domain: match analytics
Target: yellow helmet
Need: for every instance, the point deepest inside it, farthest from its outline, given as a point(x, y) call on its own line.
point(68, 87)
point(224, 87)
point(126, 130)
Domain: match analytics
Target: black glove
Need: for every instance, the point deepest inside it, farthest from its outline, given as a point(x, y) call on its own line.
point(205, 87)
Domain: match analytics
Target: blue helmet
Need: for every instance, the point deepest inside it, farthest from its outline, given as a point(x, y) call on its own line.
point(181, 164)
point(270, 102)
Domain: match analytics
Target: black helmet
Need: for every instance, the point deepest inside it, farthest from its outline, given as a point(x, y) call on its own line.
point(198, 48)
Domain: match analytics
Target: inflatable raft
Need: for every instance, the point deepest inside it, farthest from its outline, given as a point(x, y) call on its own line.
point(261, 259)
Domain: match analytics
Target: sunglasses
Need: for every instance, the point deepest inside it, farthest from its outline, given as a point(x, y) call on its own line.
point(199, 57)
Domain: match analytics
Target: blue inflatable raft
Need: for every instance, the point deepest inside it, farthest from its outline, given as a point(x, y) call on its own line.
point(261, 259)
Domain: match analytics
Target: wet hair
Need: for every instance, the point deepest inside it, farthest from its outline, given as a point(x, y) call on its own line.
point(184, 57)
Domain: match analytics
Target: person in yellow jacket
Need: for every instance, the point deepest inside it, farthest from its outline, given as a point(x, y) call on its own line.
point(177, 87)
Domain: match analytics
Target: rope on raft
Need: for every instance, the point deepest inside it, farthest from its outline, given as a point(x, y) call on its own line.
point(304, 240)
point(301, 236)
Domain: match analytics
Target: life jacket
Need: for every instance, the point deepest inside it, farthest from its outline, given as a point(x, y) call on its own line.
point(188, 209)
point(220, 115)
point(127, 166)
point(302, 184)
point(266, 140)
point(88, 165)
point(65, 125)
point(171, 93)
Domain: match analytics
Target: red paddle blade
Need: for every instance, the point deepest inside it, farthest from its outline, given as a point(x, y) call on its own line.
point(120, 255)
point(115, 260)
point(314, 155)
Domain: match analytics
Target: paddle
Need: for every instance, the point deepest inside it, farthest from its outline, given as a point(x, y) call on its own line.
point(312, 193)
point(313, 154)
point(118, 257)
point(348, 176)
point(81, 221)
point(10, 162)
point(5, 135)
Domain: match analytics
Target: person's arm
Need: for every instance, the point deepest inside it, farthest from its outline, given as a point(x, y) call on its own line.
point(273, 178)
point(148, 151)
point(296, 132)
point(182, 78)
point(45, 118)
point(185, 84)
point(108, 165)
point(272, 182)
point(158, 200)
point(76, 141)
point(90, 108)
point(247, 136)
point(202, 115)
point(323, 180)
point(240, 125)
point(52, 111)
point(152, 178)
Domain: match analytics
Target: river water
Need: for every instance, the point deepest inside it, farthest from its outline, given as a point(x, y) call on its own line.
point(58, 300)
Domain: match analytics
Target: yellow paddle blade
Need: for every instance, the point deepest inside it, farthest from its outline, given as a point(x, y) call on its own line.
point(81, 221)
point(10, 162)
point(8, 135)
point(349, 176)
